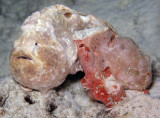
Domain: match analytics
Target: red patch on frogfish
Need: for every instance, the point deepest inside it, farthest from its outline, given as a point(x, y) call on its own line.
point(94, 80)
point(107, 72)
point(146, 91)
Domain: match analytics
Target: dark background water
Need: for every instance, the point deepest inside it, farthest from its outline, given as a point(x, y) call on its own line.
point(138, 19)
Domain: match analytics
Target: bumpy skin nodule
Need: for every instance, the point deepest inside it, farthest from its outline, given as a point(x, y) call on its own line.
point(58, 41)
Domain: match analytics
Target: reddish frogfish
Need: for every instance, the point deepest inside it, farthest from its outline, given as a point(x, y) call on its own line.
point(112, 64)
point(100, 84)
point(58, 41)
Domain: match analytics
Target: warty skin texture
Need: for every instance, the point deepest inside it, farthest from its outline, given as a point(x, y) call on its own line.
point(58, 41)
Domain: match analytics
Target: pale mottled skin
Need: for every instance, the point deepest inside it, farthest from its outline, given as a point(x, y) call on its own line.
point(58, 41)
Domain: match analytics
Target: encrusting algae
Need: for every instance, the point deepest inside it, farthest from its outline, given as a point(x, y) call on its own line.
point(58, 41)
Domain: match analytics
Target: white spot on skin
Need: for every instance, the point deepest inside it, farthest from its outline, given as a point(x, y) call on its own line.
point(85, 19)
point(97, 75)
point(110, 82)
point(35, 50)
point(96, 91)
point(111, 48)
point(102, 93)
point(63, 70)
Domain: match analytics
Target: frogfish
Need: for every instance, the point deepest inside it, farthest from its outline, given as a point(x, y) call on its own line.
point(58, 41)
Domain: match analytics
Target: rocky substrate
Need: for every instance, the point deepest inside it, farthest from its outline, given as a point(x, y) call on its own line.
point(71, 101)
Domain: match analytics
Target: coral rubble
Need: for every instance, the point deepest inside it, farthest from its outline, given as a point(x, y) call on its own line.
point(70, 101)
